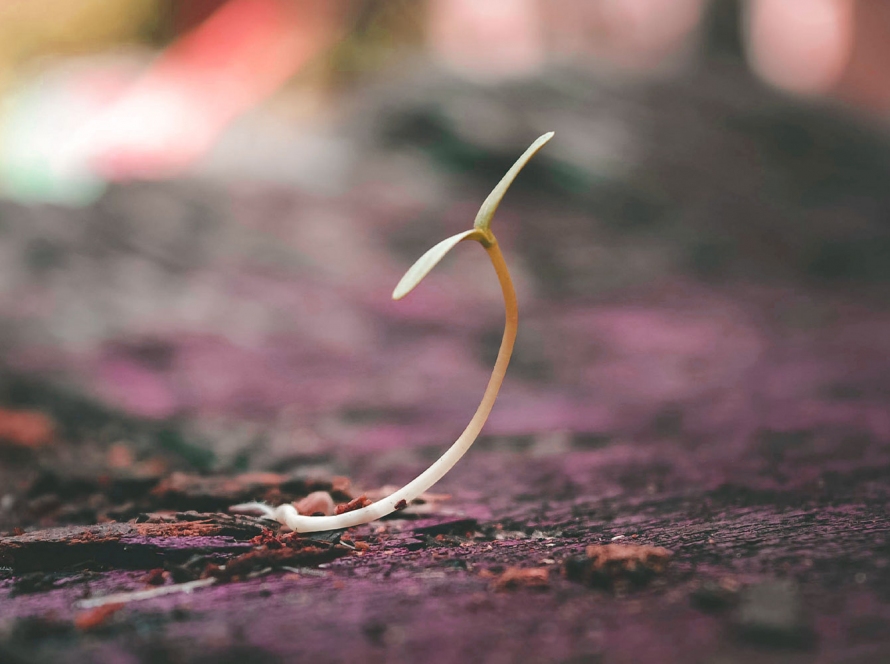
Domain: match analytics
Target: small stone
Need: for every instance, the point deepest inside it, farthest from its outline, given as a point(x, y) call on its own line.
point(772, 614)
point(715, 596)
point(317, 502)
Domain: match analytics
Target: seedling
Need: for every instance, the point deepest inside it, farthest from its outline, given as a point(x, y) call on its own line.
point(481, 232)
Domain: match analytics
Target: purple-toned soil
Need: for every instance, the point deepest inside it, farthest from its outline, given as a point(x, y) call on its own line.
point(797, 572)
point(710, 376)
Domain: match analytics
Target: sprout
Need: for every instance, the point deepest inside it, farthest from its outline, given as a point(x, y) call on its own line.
point(481, 232)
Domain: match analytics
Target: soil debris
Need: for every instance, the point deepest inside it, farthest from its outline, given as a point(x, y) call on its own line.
point(277, 553)
point(354, 504)
point(518, 577)
point(136, 545)
point(215, 493)
point(25, 428)
point(118, 490)
point(156, 577)
point(608, 565)
point(140, 595)
point(94, 619)
point(426, 503)
point(37, 582)
point(184, 490)
point(433, 527)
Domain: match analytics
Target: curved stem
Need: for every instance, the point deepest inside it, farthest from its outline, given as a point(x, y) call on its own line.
point(288, 515)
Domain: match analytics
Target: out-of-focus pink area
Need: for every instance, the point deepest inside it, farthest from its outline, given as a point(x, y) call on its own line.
point(165, 117)
point(802, 51)
point(239, 338)
point(638, 35)
point(490, 40)
point(826, 47)
point(174, 113)
point(865, 82)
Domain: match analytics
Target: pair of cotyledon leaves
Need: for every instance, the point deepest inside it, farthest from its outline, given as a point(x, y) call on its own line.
point(481, 227)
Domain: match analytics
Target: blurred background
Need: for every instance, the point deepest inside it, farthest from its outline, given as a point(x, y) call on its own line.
point(206, 205)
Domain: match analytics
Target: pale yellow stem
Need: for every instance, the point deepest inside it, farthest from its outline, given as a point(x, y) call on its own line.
point(481, 232)
point(288, 515)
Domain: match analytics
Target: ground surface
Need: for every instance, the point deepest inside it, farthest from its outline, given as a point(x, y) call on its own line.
point(702, 367)
point(798, 573)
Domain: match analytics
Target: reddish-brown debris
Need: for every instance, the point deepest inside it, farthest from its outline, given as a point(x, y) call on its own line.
point(607, 564)
point(297, 554)
point(156, 577)
point(95, 618)
point(25, 428)
point(518, 577)
point(354, 504)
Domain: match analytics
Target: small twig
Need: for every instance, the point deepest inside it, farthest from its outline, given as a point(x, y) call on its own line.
point(138, 595)
point(305, 571)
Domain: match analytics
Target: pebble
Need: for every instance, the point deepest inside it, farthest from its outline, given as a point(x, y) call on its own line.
point(772, 614)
